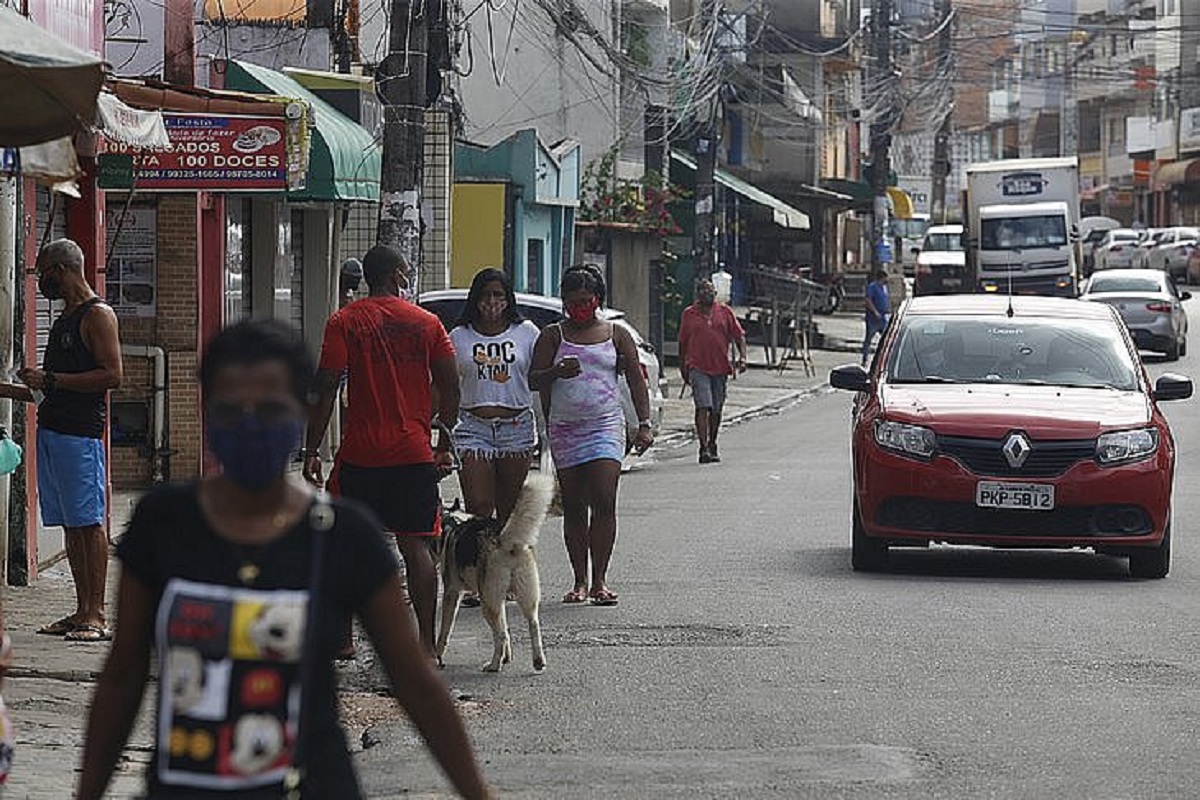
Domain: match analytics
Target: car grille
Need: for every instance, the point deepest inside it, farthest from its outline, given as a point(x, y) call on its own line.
point(1045, 460)
point(935, 516)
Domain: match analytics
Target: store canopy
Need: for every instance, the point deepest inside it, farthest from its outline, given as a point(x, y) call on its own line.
point(863, 193)
point(48, 89)
point(783, 214)
point(1178, 173)
point(344, 160)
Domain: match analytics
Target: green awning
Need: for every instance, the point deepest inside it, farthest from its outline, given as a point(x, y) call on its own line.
point(344, 158)
point(783, 214)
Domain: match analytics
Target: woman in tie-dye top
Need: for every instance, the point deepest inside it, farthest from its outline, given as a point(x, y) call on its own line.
point(576, 367)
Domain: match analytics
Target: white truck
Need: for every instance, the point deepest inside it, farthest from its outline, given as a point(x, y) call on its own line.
point(1023, 226)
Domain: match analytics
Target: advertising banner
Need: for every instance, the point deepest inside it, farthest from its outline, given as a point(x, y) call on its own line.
point(214, 153)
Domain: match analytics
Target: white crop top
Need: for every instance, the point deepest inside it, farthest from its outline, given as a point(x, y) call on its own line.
point(494, 370)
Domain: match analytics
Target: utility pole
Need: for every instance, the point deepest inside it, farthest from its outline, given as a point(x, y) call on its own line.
point(881, 131)
point(941, 139)
point(400, 81)
point(704, 150)
point(1068, 124)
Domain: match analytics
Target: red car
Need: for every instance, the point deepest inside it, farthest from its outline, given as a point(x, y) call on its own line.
point(1023, 423)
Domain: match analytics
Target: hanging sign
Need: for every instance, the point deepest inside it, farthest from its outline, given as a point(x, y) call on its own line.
point(212, 152)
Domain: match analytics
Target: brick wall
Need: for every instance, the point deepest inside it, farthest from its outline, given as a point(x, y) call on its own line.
point(175, 329)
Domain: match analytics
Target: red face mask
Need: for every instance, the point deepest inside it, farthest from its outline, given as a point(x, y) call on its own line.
point(583, 311)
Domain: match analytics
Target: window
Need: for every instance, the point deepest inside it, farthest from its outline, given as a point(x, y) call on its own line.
point(1018, 232)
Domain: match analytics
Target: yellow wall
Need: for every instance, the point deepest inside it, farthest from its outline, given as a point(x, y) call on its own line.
point(477, 230)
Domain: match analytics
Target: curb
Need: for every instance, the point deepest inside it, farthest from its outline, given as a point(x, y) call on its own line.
point(681, 438)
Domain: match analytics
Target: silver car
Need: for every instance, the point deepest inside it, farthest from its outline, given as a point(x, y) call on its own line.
point(447, 304)
point(1150, 304)
point(1175, 246)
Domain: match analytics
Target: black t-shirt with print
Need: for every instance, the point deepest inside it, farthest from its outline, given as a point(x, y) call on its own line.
point(228, 695)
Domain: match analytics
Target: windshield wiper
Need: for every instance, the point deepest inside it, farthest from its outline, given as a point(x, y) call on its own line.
point(927, 379)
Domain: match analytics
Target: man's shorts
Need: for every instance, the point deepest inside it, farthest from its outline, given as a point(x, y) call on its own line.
point(405, 498)
point(71, 479)
point(708, 391)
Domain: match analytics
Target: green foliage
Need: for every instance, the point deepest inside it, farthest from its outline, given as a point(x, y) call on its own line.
point(644, 203)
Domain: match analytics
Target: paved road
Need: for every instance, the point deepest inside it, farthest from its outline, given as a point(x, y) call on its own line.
point(747, 660)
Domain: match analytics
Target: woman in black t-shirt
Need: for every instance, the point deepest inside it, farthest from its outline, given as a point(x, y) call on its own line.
point(231, 582)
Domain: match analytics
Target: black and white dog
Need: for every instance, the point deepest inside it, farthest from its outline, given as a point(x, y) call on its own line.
point(477, 555)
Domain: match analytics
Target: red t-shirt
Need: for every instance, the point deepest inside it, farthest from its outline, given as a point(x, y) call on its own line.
point(386, 344)
point(706, 338)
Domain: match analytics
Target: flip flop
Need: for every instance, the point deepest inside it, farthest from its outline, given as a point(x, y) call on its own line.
point(88, 632)
point(575, 596)
point(59, 628)
point(604, 597)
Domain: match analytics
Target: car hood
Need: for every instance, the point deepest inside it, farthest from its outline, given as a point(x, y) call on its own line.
point(990, 411)
point(942, 258)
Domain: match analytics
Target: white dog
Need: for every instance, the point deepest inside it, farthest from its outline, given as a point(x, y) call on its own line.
point(476, 555)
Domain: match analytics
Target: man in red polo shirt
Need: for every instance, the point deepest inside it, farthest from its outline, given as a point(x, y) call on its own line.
point(394, 353)
point(705, 333)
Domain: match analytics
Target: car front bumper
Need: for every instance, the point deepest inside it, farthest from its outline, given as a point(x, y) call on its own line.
point(907, 501)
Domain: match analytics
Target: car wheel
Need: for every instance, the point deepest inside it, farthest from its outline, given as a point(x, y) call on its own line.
point(866, 554)
point(1173, 351)
point(1152, 563)
point(1183, 347)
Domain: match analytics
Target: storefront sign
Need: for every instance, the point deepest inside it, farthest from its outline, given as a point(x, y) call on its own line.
point(208, 152)
point(131, 280)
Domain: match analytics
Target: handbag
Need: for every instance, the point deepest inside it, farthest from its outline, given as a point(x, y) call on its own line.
point(321, 518)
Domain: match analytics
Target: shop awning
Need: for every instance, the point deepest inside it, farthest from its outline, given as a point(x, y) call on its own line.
point(344, 159)
point(48, 88)
point(864, 195)
point(783, 214)
point(1178, 172)
point(902, 205)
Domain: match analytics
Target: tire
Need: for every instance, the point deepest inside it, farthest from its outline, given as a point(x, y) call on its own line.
point(1183, 347)
point(1173, 351)
point(1152, 563)
point(866, 554)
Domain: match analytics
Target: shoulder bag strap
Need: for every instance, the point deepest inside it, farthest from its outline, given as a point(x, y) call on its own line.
point(321, 519)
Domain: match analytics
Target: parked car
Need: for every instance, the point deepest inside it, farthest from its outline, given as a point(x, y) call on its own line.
point(1150, 304)
point(1193, 268)
point(1117, 249)
point(447, 304)
point(1149, 241)
point(941, 262)
point(1024, 422)
point(1175, 246)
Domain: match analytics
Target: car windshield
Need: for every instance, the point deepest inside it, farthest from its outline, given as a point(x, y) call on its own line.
point(1014, 232)
point(943, 242)
point(1119, 283)
point(908, 228)
point(1035, 351)
point(1122, 237)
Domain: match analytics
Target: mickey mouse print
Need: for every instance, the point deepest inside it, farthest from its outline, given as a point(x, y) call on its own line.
point(229, 695)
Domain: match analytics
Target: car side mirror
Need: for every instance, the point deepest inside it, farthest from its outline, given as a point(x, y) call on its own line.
point(1185, 296)
point(1172, 387)
point(916, 251)
point(851, 377)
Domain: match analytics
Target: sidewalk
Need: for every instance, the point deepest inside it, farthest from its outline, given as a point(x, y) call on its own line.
point(49, 689)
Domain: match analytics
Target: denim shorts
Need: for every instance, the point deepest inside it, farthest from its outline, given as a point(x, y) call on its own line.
point(708, 391)
point(504, 437)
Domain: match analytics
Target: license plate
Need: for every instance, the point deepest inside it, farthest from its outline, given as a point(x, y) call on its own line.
point(1026, 496)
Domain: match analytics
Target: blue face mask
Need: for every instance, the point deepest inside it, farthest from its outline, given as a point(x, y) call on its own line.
point(252, 452)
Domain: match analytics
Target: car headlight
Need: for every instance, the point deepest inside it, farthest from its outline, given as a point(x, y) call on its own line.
point(911, 440)
point(1121, 447)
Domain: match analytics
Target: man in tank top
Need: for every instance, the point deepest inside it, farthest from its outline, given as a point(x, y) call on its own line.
point(81, 365)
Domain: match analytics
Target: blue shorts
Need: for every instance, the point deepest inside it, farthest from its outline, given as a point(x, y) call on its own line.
point(71, 479)
point(502, 437)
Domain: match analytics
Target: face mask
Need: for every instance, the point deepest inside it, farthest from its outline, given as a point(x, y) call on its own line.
point(252, 452)
point(706, 297)
point(584, 311)
point(493, 309)
point(50, 288)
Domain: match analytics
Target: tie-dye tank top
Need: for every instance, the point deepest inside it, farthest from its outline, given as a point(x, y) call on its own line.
point(586, 419)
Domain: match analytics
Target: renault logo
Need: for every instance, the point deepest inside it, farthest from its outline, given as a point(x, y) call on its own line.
point(1016, 449)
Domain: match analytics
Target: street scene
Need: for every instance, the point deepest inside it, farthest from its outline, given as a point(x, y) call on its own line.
point(597, 398)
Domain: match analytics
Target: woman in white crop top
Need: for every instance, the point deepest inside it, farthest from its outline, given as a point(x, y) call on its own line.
point(496, 434)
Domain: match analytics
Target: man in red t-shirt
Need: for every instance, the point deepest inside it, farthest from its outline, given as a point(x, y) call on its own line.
point(705, 333)
point(392, 351)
